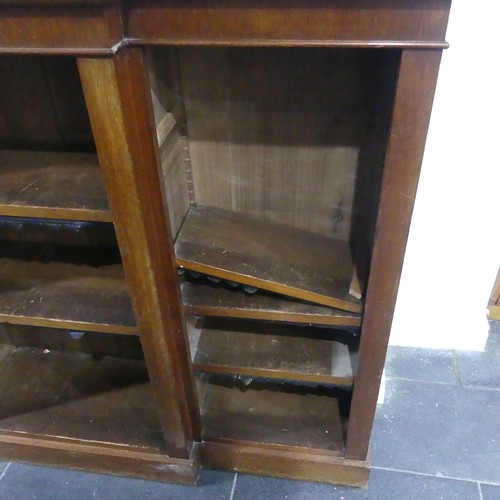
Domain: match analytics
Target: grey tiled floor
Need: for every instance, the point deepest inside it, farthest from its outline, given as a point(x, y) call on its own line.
point(436, 436)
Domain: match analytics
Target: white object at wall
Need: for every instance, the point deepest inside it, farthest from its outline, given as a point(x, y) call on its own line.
point(453, 250)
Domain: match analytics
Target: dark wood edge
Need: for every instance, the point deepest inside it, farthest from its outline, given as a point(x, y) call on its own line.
point(68, 325)
point(367, 44)
point(411, 114)
point(118, 100)
point(223, 312)
point(291, 291)
point(66, 51)
point(99, 457)
point(272, 374)
point(285, 464)
point(73, 214)
point(133, 42)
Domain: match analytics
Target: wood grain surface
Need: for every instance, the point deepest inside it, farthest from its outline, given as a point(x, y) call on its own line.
point(52, 185)
point(211, 300)
point(119, 103)
point(275, 133)
point(76, 395)
point(65, 296)
point(272, 418)
point(412, 109)
point(267, 255)
point(258, 349)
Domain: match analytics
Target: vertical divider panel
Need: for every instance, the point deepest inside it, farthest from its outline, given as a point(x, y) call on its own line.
point(414, 95)
point(119, 104)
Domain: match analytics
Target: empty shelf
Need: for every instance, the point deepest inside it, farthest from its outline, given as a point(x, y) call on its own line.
point(271, 417)
point(65, 296)
point(76, 396)
point(257, 349)
point(52, 185)
point(267, 255)
point(206, 300)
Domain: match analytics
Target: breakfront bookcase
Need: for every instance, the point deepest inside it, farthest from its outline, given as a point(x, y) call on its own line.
point(204, 207)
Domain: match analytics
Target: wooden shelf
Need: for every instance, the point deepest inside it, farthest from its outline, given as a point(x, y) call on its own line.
point(265, 417)
point(65, 296)
point(52, 185)
point(74, 395)
point(74, 410)
point(267, 255)
point(258, 349)
point(205, 300)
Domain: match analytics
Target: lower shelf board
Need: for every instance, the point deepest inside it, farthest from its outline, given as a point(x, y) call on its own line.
point(73, 410)
point(64, 295)
point(54, 394)
point(215, 300)
point(278, 351)
point(271, 418)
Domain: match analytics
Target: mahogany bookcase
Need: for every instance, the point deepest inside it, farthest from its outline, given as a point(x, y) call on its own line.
point(204, 208)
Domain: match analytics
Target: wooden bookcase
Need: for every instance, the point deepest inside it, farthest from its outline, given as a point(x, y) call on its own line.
point(258, 164)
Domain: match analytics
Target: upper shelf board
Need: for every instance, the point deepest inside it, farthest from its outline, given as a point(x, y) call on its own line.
point(52, 185)
point(270, 256)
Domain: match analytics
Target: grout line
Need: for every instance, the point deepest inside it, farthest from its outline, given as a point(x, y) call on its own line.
point(5, 470)
point(480, 491)
point(390, 377)
point(427, 474)
point(234, 486)
point(460, 385)
point(455, 366)
point(480, 387)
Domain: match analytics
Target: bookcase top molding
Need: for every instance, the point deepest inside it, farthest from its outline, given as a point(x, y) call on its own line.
point(103, 27)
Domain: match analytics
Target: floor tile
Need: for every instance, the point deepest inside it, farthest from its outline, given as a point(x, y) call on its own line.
point(46, 483)
point(438, 429)
point(421, 364)
point(211, 485)
point(495, 328)
point(479, 368)
point(383, 485)
point(3, 466)
point(490, 492)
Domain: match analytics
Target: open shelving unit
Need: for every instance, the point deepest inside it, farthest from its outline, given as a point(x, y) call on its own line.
point(272, 162)
point(74, 382)
point(223, 295)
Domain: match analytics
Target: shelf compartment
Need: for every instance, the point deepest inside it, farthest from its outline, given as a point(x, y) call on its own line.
point(267, 255)
point(256, 349)
point(204, 299)
point(73, 409)
point(68, 296)
point(268, 416)
point(52, 185)
point(75, 395)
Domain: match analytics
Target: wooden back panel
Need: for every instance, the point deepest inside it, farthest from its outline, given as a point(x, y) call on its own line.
point(42, 104)
point(275, 133)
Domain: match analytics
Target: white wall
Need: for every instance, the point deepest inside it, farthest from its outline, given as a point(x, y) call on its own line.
point(453, 251)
